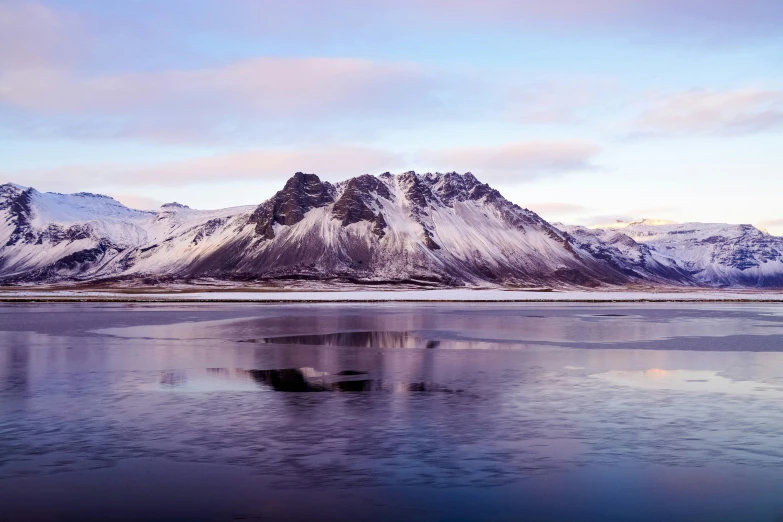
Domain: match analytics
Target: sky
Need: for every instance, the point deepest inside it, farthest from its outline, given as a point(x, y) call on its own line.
point(585, 111)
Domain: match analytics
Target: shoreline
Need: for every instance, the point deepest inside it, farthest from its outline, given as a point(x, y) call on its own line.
point(296, 296)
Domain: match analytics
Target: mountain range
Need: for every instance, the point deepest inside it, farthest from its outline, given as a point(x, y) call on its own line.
point(413, 229)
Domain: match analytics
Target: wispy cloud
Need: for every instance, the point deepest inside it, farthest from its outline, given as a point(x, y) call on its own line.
point(238, 98)
point(773, 223)
point(702, 111)
point(336, 162)
point(607, 219)
point(556, 100)
point(773, 226)
point(515, 162)
point(518, 161)
point(34, 35)
point(136, 201)
point(546, 209)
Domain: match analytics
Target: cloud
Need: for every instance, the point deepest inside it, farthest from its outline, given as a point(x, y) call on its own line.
point(35, 35)
point(232, 100)
point(555, 100)
point(709, 20)
point(136, 201)
point(773, 226)
point(701, 111)
point(518, 161)
point(515, 162)
point(607, 220)
point(283, 100)
point(269, 164)
point(545, 209)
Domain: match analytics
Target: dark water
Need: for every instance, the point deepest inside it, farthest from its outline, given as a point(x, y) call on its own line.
point(392, 412)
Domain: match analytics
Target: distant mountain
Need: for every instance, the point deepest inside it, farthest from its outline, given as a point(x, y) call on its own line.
point(634, 258)
point(423, 229)
point(713, 254)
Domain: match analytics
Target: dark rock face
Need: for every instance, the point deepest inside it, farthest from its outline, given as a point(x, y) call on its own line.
point(452, 187)
point(82, 258)
point(354, 203)
point(416, 190)
point(207, 229)
point(379, 225)
point(72, 265)
point(301, 193)
point(55, 234)
point(174, 206)
point(420, 194)
point(18, 203)
point(756, 248)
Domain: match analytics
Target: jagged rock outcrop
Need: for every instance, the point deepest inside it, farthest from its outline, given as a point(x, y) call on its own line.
point(359, 202)
point(423, 229)
point(302, 193)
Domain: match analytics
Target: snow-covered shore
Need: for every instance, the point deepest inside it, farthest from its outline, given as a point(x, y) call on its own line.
point(455, 295)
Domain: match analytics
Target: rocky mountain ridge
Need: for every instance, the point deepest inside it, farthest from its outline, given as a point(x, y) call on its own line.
point(424, 229)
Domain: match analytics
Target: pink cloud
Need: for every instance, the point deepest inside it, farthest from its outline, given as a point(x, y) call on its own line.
point(336, 162)
point(700, 111)
point(557, 209)
point(518, 161)
point(773, 226)
point(557, 100)
point(136, 201)
point(184, 104)
point(35, 35)
point(274, 86)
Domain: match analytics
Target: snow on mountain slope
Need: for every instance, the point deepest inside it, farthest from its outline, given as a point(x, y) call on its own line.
point(50, 236)
point(425, 229)
point(714, 254)
point(627, 255)
point(438, 228)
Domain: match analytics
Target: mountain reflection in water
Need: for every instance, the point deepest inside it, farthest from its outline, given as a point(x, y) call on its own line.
point(291, 380)
point(380, 339)
point(551, 412)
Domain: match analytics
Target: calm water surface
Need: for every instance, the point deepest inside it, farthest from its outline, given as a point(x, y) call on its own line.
point(391, 412)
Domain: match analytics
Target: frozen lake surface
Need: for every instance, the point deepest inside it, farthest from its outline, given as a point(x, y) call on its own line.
point(391, 411)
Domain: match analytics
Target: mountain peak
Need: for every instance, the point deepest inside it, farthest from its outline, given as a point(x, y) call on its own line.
point(301, 193)
point(15, 186)
point(423, 229)
point(174, 206)
point(646, 222)
point(91, 195)
point(653, 222)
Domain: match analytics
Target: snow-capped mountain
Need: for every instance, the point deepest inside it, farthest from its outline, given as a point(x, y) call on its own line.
point(627, 255)
point(424, 229)
point(52, 237)
point(440, 229)
point(713, 254)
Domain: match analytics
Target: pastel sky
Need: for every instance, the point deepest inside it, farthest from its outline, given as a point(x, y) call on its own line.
point(585, 111)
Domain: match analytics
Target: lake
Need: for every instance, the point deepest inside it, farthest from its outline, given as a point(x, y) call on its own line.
point(396, 411)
